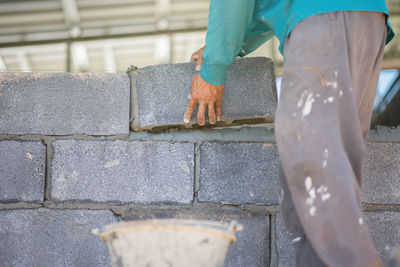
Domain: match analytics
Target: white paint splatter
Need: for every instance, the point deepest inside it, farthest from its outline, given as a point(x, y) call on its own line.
point(325, 155)
point(308, 183)
point(296, 239)
point(301, 100)
point(328, 83)
point(112, 163)
point(309, 201)
point(28, 154)
point(312, 211)
point(317, 95)
point(336, 73)
point(330, 99)
point(308, 105)
point(360, 221)
point(322, 189)
point(251, 194)
point(340, 93)
point(387, 247)
point(185, 168)
point(312, 193)
point(326, 196)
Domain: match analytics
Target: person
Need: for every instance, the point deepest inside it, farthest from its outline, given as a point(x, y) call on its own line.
point(333, 54)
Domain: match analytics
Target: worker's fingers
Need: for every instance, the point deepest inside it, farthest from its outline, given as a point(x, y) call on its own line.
point(199, 62)
point(200, 113)
point(189, 110)
point(211, 113)
point(218, 109)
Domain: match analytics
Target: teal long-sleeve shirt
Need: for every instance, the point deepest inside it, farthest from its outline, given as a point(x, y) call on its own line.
point(238, 27)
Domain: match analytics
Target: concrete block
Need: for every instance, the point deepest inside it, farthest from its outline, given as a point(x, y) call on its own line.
point(162, 94)
point(43, 237)
point(382, 174)
point(122, 171)
point(383, 225)
point(284, 248)
point(64, 103)
point(384, 134)
point(385, 230)
point(239, 173)
point(252, 246)
point(22, 171)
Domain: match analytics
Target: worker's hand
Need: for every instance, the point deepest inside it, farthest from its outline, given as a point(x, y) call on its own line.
point(204, 94)
point(198, 58)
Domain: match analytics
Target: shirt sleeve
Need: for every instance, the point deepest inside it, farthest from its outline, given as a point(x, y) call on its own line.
point(253, 40)
point(228, 22)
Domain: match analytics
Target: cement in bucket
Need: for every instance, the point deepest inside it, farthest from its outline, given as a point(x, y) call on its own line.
point(168, 242)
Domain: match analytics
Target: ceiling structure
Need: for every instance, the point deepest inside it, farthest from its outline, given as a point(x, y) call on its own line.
point(111, 35)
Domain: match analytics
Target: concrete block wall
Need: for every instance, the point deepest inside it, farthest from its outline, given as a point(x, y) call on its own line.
point(71, 161)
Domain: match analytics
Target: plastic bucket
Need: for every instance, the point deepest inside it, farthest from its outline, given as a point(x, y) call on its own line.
point(168, 242)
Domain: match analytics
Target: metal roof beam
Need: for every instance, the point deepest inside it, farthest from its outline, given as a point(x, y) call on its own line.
point(71, 15)
point(162, 12)
point(3, 67)
point(110, 64)
point(80, 56)
point(102, 37)
point(23, 61)
point(162, 49)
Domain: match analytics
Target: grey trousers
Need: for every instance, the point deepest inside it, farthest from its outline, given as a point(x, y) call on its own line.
point(332, 64)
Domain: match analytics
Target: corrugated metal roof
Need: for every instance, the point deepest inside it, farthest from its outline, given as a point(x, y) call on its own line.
point(110, 35)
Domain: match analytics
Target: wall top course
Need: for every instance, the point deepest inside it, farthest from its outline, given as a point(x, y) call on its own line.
point(162, 94)
point(64, 103)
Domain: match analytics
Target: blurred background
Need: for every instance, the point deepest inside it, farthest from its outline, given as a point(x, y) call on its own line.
point(111, 35)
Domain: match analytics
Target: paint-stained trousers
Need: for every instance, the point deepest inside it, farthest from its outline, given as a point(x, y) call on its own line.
point(332, 64)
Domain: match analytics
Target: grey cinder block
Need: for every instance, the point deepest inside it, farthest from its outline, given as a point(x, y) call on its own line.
point(43, 237)
point(284, 248)
point(252, 246)
point(239, 173)
point(382, 174)
point(64, 103)
point(122, 171)
point(384, 134)
point(162, 94)
point(22, 171)
point(385, 230)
